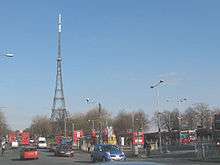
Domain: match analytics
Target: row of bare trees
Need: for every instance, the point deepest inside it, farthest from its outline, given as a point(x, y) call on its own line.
point(198, 115)
point(93, 119)
point(3, 124)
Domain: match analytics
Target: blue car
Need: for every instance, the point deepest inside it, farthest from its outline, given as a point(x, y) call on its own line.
point(107, 152)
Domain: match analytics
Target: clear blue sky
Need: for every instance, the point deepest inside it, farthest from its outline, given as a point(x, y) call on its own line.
point(112, 50)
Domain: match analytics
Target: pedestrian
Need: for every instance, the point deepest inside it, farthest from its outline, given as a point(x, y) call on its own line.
point(89, 147)
point(145, 147)
point(3, 147)
point(148, 149)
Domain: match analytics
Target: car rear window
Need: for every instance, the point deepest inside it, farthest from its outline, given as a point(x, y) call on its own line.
point(30, 149)
point(65, 147)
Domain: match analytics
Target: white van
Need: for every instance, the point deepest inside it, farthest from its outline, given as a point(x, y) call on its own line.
point(14, 144)
point(42, 143)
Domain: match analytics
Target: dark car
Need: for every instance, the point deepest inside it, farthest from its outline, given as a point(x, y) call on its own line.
point(107, 152)
point(64, 150)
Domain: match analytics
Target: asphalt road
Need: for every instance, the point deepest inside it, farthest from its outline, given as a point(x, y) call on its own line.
point(80, 158)
point(46, 158)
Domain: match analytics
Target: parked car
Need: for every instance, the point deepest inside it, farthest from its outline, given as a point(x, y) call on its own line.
point(42, 143)
point(14, 144)
point(64, 150)
point(107, 152)
point(29, 153)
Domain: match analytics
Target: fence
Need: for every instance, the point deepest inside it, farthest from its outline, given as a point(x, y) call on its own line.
point(206, 150)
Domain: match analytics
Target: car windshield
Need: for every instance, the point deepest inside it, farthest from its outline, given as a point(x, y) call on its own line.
point(110, 148)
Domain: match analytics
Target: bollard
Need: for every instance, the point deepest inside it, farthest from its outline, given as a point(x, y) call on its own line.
point(203, 152)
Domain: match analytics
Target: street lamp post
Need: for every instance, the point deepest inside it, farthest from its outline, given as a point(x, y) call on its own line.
point(93, 124)
point(99, 118)
point(65, 131)
point(73, 128)
point(8, 55)
point(158, 113)
point(132, 140)
point(179, 101)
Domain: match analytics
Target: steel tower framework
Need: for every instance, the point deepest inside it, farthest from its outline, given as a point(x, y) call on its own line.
point(59, 113)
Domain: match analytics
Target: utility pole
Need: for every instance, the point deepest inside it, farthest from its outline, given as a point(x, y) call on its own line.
point(100, 124)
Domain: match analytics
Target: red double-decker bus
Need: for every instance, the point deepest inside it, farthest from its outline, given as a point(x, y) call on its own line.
point(216, 129)
point(187, 136)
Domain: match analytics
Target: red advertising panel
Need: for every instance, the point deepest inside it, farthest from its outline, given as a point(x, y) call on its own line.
point(77, 135)
point(58, 139)
point(93, 134)
point(25, 138)
point(81, 134)
point(138, 138)
point(12, 137)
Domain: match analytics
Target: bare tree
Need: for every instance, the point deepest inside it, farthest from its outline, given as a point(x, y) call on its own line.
point(198, 115)
point(203, 115)
point(190, 118)
point(215, 110)
point(123, 121)
point(141, 120)
point(92, 118)
point(169, 120)
point(41, 126)
point(3, 124)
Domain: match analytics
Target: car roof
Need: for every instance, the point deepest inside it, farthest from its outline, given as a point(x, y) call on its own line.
point(28, 147)
point(104, 145)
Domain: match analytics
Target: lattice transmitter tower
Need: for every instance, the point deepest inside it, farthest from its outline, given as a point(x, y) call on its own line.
point(59, 112)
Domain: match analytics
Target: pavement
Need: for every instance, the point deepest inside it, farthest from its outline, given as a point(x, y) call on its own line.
point(184, 157)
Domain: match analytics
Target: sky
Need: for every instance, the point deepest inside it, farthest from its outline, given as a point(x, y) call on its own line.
point(113, 51)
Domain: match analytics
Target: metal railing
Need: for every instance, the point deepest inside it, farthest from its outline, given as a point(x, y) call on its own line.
point(207, 150)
